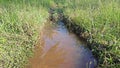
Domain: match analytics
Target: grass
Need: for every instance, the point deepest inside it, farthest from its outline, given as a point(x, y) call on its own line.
point(20, 23)
point(21, 20)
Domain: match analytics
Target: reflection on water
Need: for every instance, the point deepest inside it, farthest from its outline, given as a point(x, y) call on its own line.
point(58, 48)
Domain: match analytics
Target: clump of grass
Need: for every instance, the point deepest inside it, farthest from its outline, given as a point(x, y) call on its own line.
point(19, 29)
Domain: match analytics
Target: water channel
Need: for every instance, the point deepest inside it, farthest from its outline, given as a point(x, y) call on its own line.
point(59, 48)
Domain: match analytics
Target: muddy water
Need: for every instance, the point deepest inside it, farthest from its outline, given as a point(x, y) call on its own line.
point(58, 48)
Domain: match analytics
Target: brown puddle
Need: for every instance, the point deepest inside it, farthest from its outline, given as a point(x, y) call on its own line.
point(59, 48)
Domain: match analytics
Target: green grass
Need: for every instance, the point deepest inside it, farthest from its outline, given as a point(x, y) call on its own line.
point(20, 23)
point(21, 20)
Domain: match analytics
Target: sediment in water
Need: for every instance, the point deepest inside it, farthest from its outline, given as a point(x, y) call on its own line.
point(59, 48)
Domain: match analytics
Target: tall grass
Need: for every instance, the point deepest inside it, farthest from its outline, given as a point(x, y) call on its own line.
point(20, 23)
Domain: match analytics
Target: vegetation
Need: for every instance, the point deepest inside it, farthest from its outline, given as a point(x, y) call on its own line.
point(20, 21)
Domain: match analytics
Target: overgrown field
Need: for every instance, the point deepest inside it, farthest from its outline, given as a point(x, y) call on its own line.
point(20, 22)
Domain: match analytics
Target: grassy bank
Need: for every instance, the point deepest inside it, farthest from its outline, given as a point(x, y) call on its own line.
point(20, 22)
point(101, 23)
